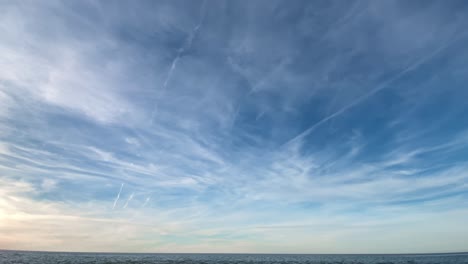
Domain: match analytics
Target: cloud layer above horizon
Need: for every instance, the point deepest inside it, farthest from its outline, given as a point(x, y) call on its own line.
point(234, 126)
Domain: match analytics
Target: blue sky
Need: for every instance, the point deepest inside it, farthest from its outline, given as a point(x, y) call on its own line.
point(234, 126)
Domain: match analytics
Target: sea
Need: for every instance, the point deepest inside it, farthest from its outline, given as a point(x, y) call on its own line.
point(29, 257)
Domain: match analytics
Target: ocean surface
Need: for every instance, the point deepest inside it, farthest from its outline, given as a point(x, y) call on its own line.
point(17, 257)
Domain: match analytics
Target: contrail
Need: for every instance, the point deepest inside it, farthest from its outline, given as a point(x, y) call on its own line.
point(146, 201)
point(186, 46)
point(380, 87)
point(129, 199)
point(118, 196)
point(173, 66)
point(181, 50)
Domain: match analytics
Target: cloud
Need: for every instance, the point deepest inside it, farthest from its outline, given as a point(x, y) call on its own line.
point(209, 170)
point(146, 201)
point(381, 86)
point(117, 197)
point(128, 200)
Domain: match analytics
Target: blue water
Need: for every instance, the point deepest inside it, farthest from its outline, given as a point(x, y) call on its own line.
point(18, 257)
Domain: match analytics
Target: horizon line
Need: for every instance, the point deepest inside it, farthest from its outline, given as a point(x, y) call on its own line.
point(232, 253)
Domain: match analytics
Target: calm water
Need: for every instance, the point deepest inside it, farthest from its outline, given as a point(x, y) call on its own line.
point(10, 257)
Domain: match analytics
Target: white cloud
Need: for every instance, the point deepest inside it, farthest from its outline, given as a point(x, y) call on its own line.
point(210, 162)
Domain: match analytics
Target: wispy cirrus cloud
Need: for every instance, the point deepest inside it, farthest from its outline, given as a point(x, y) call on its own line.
point(379, 113)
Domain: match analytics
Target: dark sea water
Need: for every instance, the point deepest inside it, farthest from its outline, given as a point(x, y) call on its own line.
point(10, 257)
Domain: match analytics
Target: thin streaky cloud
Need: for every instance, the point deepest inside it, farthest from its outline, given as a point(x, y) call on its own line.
point(118, 196)
point(415, 65)
point(146, 201)
point(203, 158)
point(128, 200)
point(185, 47)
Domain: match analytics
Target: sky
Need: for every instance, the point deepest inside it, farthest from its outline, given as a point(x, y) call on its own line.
point(234, 126)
